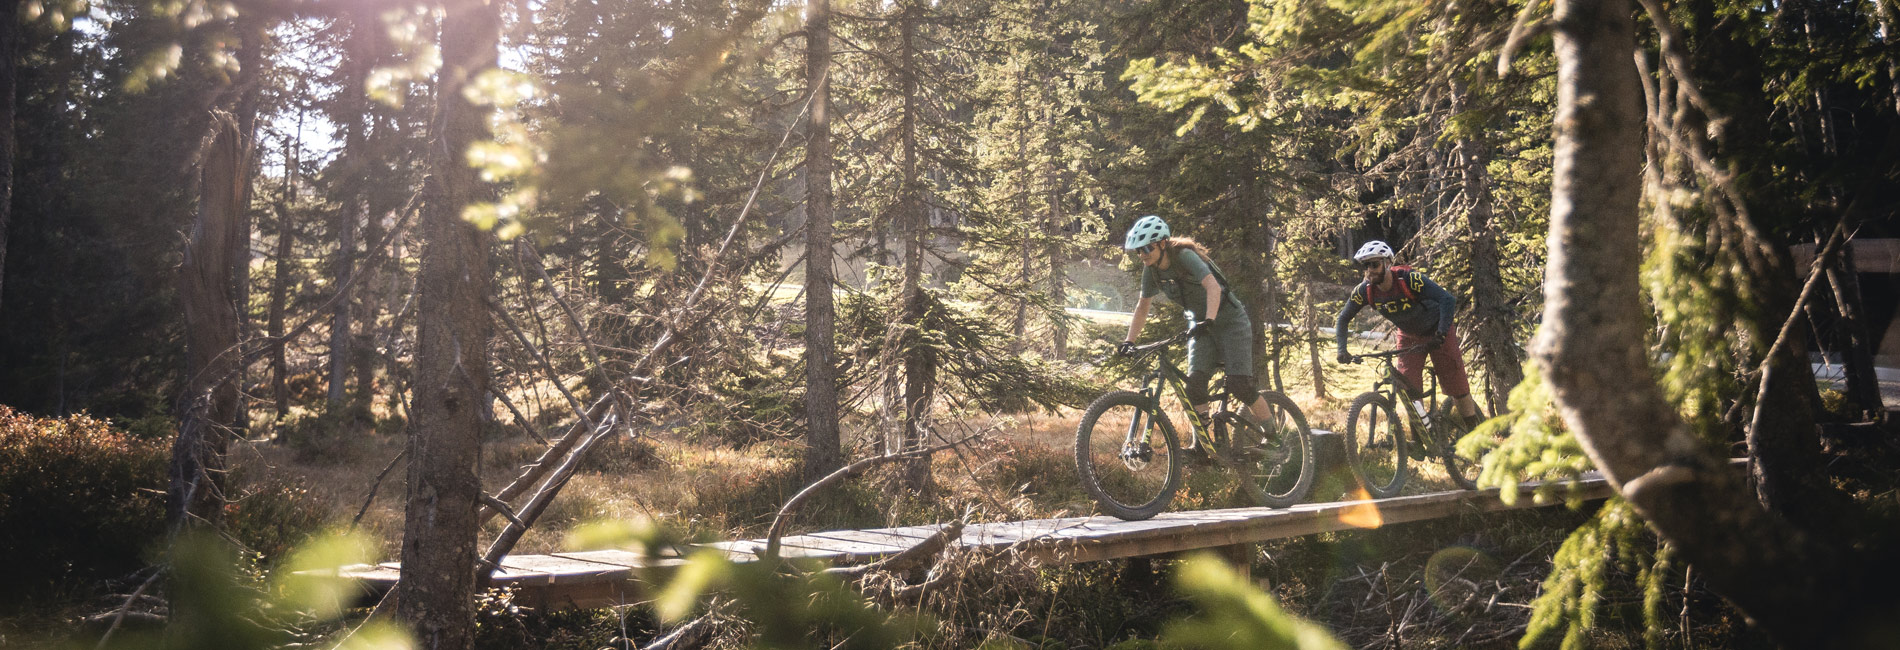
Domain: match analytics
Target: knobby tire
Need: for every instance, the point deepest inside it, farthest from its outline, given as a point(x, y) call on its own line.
point(1125, 488)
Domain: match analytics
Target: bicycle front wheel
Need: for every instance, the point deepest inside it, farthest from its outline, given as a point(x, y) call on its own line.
point(1462, 467)
point(1375, 445)
point(1126, 455)
point(1278, 452)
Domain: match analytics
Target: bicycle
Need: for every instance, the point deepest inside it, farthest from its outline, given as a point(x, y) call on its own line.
point(1378, 455)
point(1130, 461)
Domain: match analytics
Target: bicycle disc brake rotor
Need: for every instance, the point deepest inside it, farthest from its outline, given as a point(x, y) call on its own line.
point(1137, 457)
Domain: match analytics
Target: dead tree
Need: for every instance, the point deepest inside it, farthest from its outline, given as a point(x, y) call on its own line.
point(212, 359)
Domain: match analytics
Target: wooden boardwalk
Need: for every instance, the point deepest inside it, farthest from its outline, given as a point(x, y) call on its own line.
point(602, 578)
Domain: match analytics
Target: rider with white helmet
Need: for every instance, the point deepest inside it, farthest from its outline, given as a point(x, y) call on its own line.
point(1422, 310)
point(1219, 330)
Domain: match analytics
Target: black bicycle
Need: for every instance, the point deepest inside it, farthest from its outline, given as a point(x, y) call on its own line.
point(1379, 443)
point(1131, 463)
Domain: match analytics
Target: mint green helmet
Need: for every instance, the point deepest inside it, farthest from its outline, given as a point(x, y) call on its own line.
point(1147, 230)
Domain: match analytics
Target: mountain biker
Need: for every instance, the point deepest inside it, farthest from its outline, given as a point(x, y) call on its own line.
point(1218, 328)
point(1422, 311)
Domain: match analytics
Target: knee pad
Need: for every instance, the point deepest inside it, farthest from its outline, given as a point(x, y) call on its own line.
point(1241, 388)
point(1197, 387)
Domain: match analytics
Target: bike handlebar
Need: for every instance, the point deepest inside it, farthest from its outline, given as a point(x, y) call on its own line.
point(1144, 350)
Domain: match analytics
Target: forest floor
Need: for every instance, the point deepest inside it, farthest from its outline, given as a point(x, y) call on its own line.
point(1371, 587)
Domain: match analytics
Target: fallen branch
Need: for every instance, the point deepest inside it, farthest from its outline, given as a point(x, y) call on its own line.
point(377, 485)
point(520, 420)
point(536, 504)
point(694, 634)
point(547, 461)
point(910, 558)
point(784, 515)
point(554, 377)
point(125, 610)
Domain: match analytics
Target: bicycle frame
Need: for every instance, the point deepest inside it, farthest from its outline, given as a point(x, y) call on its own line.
point(1167, 375)
point(1418, 409)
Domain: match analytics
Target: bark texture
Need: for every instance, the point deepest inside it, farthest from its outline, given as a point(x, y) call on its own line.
point(1494, 323)
point(9, 48)
point(435, 592)
point(823, 452)
point(210, 402)
point(1863, 385)
point(1591, 351)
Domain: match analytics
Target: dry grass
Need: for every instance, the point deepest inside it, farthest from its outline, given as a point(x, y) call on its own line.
point(1022, 468)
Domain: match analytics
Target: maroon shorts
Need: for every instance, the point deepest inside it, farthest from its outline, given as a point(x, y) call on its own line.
point(1448, 364)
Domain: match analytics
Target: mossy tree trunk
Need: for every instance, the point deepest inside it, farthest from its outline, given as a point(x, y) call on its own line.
point(1800, 589)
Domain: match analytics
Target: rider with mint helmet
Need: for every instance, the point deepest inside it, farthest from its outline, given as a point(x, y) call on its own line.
point(1421, 310)
point(1219, 330)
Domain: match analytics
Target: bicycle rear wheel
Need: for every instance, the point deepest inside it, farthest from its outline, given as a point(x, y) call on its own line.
point(1126, 455)
point(1375, 445)
point(1277, 453)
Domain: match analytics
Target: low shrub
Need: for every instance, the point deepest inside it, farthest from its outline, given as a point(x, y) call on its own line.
point(273, 514)
point(79, 500)
point(334, 436)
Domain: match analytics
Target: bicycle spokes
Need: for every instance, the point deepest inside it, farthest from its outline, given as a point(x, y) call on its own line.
point(1126, 456)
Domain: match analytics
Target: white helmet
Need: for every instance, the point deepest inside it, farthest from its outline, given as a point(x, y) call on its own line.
point(1372, 249)
point(1147, 230)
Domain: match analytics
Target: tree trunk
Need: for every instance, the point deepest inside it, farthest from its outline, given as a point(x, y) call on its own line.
point(1494, 322)
point(920, 371)
point(1863, 385)
point(9, 49)
point(1273, 303)
point(435, 590)
point(1058, 325)
point(1026, 251)
point(279, 294)
point(8, 73)
point(352, 165)
point(254, 31)
point(1592, 352)
point(823, 453)
point(1312, 340)
point(280, 282)
point(210, 402)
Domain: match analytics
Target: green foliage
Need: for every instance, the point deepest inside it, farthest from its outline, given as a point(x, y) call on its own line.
point(1537, 447)
point(1615, 541)
point(1236, 615)
point(789, 606)
point(217, 603)
point(79, 501)
point(974, 355)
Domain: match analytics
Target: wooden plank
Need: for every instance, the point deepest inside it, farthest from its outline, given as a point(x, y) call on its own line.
point(623, 559)
point(597, 578)
point(754, 547)
point(915, 533)
point(848, 551)
point(1012, 532)
point(897, 543)
point(549, 569)
point(919, 532)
